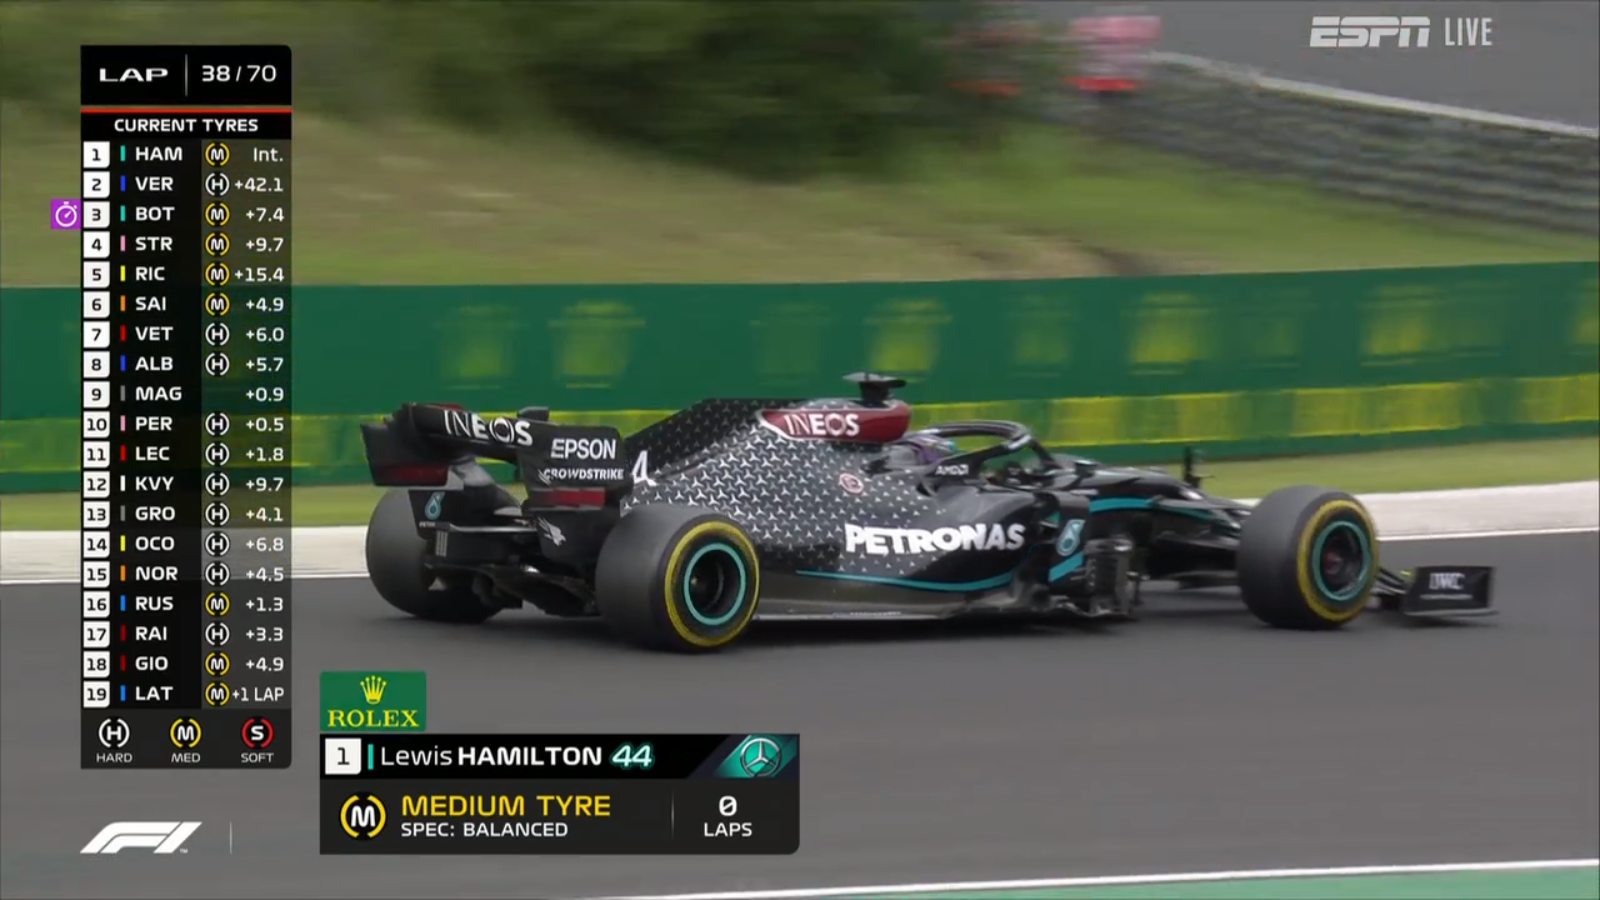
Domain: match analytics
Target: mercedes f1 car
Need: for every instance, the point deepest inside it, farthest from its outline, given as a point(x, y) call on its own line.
point(682, 534)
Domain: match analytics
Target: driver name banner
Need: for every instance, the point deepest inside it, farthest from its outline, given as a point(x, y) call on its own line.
point(419, 793)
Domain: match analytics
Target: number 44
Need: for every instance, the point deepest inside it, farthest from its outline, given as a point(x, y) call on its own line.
point(627, 756)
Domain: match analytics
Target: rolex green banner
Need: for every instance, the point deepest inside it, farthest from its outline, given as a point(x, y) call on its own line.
point(1125, 369)
point(374, 701)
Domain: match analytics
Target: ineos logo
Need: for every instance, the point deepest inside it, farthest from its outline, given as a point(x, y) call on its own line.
point(814, 424)
point(1446, 581)
point(517, 432)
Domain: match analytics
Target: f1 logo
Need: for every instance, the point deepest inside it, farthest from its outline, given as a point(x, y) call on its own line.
point(257, 733)
point(1446, 581)
point(161, 837)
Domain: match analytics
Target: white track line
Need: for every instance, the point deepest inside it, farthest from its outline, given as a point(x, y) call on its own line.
point(1395, 539)
point(1126, 880)
point(1480, 535)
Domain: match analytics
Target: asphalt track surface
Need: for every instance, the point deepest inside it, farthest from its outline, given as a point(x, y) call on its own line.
point(1544, 62)
point(1194, 740)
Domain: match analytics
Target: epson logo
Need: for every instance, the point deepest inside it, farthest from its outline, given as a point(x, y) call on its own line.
point(515, 432)
point(1447, 581)
point(885, 541)
point(583, 448)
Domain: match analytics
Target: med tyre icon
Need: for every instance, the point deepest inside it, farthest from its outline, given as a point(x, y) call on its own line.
point(677, 578)
point(1308, 559)
point(396, 557)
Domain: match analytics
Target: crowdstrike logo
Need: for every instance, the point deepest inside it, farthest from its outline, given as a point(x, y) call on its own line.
point(551, 476)
point(885, 541)
point(161, 837)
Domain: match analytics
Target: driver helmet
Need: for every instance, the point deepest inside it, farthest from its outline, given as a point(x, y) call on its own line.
point(928, 448)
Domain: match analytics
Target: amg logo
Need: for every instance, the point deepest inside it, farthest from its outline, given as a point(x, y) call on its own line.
point(1447, 581)
point(1343, 32)
point(583, 448)
point(884, 541)
point(955, 471)
point(514, 432)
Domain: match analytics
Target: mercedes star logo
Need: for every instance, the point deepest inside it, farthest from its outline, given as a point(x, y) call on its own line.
point(760, 757)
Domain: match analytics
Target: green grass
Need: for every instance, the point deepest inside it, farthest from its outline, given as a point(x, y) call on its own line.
point(408, 204)
point(1480, 465)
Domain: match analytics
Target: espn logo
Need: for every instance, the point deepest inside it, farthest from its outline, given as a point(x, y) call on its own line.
point(1369, 31)
point(161, 837)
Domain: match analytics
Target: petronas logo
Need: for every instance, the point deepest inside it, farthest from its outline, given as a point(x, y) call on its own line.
point(372, 688)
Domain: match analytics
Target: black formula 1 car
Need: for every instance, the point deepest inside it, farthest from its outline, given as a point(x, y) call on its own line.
point(680, 535)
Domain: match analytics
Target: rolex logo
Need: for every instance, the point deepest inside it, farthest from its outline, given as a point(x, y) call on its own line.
point(374, 700)
point(372, 688)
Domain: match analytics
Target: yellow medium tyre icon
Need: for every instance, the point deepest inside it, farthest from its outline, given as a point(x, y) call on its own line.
point(363, 817)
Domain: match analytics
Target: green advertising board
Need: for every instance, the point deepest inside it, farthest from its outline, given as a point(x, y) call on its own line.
point(1125, 369)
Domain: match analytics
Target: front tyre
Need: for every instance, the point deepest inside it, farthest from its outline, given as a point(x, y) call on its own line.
point(677, 578)
point(1308, 559)
point(395, 563)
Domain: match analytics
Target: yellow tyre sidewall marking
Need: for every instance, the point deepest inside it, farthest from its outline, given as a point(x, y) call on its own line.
point(1308, 590)
point(679, 558)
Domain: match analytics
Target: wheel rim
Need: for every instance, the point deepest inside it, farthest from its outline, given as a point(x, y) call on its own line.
point(714, 585)
point(1341, 561)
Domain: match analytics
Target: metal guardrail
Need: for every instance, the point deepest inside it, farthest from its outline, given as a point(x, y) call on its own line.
point(1418, 155)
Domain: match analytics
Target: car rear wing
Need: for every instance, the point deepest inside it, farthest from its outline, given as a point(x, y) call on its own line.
point(563, 466)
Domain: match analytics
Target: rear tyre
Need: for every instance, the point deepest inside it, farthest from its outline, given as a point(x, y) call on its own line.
point(395, 556)
point(677, 578)
point(1308, 559)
